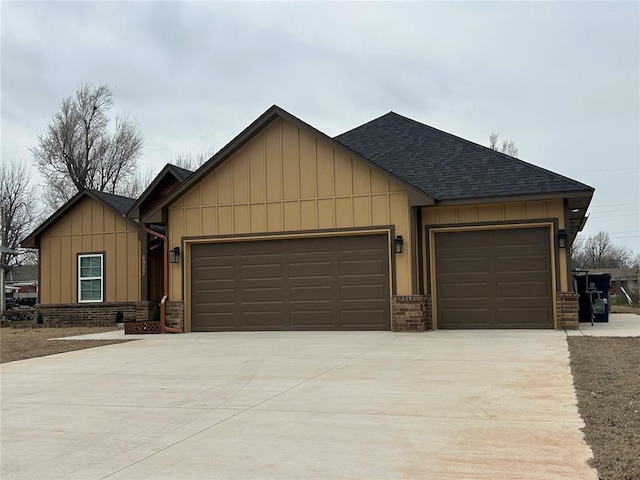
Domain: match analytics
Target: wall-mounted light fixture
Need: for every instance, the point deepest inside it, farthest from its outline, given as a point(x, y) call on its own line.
point(174, 255)
point(398, 244)
point(562, 238)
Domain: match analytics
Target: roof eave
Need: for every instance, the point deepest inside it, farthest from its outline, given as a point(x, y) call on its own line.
point(516, 198)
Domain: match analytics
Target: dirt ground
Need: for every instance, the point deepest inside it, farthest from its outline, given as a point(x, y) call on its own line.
point(615, 308)
point(23, 343)
point(606, 374)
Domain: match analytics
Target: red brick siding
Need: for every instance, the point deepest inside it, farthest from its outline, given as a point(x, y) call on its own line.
point(567, 310)
point(411, 313)
point(174, 314)
point(92, 314)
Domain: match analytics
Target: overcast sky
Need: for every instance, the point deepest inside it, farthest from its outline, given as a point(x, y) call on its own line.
point(560, 79)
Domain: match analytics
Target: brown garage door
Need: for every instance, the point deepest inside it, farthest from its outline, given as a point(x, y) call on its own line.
point(330, 283)
point(494, 279)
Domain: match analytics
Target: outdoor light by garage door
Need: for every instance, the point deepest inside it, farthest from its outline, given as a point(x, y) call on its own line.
point(398, 244)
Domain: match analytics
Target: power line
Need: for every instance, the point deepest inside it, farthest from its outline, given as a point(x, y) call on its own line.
point(613, 216)
point(625, 236)
point(605, 170)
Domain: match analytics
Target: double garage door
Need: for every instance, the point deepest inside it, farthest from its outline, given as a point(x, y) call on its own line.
point(316, 283)
point(494, 279)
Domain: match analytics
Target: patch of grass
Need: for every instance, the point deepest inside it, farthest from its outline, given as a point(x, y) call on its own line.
point(606, 374)
point(20, 344)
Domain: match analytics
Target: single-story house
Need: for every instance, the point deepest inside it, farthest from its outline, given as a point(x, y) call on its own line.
point(393, 225)
point(624, 281)
point(3, 267)
point(21, 284)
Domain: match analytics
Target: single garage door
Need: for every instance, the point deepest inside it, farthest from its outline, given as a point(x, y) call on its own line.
point(494, 279)
point(328, 283)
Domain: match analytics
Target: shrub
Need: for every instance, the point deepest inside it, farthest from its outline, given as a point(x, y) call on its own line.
point(18, 315)
point(39, 319)
point(119, 316)
point(155, 314)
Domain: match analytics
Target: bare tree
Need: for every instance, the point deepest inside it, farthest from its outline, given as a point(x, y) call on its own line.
point(193, 162)
point(139, 182)
point(17, 210)
point(597, 251)
point(79, 151)
point(507, 147)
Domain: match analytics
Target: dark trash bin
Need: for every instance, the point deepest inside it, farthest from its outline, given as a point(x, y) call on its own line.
point(593, 288)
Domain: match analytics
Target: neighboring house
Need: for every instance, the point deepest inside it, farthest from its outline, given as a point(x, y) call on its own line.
point(622, 278)
point(3, 268)
point(21, 283)
point(393, 225)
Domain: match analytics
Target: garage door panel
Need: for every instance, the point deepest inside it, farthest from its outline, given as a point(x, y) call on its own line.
point(510, 286)
point(361, 292)
point(463, 264)
point(258, 320)
point(312, 320)
point(463, 318)
point(522, 318)
point(256, 295)
point(473, 240)
point(473, 291)
point(362, 319)
point(362, 267)
point(310, 269)
point(524, 264)
point(300, 284)
point(466, 303)
point(523, 237)
point(212, 296)
point(210, 273)
point(524, 290)
point(311, 293)
point(262, 272)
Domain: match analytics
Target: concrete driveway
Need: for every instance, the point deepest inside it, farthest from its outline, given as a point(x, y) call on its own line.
point(293, 405)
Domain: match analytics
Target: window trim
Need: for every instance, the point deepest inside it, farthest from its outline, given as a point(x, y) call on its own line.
point(80, 279)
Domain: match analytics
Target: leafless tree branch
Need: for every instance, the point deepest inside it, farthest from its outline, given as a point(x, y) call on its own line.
point(79, 151)
point(17, 208)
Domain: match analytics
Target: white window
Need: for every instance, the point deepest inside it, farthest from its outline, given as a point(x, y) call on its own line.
point(90, 277)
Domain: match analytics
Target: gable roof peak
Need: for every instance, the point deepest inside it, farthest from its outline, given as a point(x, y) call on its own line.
point(183, 173)
point(118, 203)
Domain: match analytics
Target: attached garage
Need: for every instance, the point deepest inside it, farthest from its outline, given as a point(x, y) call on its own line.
point(313, 283)
point(498, 278)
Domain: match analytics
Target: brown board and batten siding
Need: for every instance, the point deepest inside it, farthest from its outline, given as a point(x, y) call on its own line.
point(285, 179)
point(90, 227)
point(311, 283)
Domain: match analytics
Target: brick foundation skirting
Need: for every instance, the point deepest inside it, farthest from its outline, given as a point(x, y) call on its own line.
point(174, 314)
point(567, 310)
point(93, 314)
point(411, 313)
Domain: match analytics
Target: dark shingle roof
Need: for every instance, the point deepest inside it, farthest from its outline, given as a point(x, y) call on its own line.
point(183, 173)
point(448, 167)
point(118, 203)
point(22, 273)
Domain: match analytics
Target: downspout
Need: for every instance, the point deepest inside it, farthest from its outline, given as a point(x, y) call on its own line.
point(165, 280)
